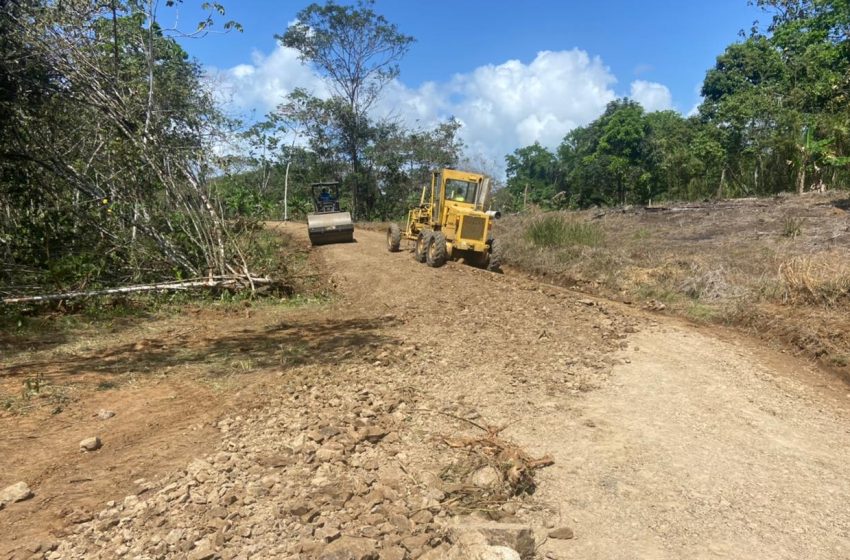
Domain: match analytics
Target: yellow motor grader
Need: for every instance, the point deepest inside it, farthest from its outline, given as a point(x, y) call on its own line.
point(450, 222)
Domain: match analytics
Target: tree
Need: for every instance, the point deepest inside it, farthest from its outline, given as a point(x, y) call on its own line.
point(622, 148)
point(104, 157)
point(533, 176)
point(357, 51)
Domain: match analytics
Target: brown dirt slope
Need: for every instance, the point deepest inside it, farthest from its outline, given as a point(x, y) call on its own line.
point(348, 428)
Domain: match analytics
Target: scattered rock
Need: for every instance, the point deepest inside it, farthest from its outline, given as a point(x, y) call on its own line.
point(90, 444)
point(485, 552)
point(79, 516)
point(512, 535)
point(15, 493)
point(351, 548)
point(486, 476)
point(104, 414)
point(393, 553)
point(561, 533)
point(373, 434)
point(203, 552)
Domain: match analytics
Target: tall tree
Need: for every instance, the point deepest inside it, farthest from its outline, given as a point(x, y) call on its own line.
point(533, 175)
point(357, 51)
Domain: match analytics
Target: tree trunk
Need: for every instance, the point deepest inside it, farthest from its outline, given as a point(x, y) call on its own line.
point(286, 193)
point(722, 184)
point(801, 178)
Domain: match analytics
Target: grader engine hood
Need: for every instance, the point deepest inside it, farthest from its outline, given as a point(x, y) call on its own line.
point(471, 230)
point(473, 226)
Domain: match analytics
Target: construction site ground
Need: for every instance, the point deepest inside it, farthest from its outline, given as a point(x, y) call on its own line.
point(357, 427)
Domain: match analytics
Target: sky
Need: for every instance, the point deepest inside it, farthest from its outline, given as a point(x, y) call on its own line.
point(513, 72)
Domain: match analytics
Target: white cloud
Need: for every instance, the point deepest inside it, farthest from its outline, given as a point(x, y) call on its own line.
point(698, 94)
point(512, 104)
point(651, 95)
point(264, 83)
point(501, 106)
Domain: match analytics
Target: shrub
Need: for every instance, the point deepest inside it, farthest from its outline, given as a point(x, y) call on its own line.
point(556, 230)
point(793, 227)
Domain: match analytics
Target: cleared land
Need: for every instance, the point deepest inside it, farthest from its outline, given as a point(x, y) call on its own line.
point(349, 424)
point(779, 268)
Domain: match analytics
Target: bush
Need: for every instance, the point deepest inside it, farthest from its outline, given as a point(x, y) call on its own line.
point(556, 230)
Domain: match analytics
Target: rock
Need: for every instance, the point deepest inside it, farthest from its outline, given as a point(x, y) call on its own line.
point(90, 444)
point(330, 452)
point(512, 535)
point(440, 553)
point(203, 552)
point(175, 536)
point(80, 516)
point(15, 493)
point(484, 552)
point(350, 548)
point(393, 553)
point(486, 477)
point(198, 466)
point(415, 542)
point(104, 414)
point(373, 434)
point(327, 534)
point(561, 533)
point(422, 517)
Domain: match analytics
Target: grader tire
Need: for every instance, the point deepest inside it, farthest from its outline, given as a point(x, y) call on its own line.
point(437, 250)
point(393, 238)
point(494, 263)
point(420, 252)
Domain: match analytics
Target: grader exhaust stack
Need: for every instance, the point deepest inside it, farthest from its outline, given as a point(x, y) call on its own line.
point(328, 224)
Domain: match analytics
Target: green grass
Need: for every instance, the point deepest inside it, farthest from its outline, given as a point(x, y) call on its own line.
point(793, 227)
point(555, 230)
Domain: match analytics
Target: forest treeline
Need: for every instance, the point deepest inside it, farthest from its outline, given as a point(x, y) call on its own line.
point(775, 117)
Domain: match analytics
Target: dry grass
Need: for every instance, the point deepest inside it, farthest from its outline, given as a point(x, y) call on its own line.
point(779, 267)
point(821, 279)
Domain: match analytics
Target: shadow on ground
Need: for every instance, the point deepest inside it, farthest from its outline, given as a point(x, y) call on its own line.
point(282, 345)
point(842, 204)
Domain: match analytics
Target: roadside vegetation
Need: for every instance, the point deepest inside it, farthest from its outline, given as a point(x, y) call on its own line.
point(732, 262)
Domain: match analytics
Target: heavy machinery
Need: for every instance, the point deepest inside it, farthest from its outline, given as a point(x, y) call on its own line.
point(450, 222)
point(328, 224)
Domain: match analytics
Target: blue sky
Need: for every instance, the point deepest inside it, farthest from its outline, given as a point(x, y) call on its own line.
point(481, 61)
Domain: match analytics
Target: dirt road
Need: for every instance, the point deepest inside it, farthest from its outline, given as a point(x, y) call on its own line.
point(668, 441)
point(686, 446)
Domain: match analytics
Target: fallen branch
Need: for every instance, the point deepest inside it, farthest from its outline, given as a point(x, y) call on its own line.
point(235, 281)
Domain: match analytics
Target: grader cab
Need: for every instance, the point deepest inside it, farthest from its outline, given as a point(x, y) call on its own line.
point(450, 222)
